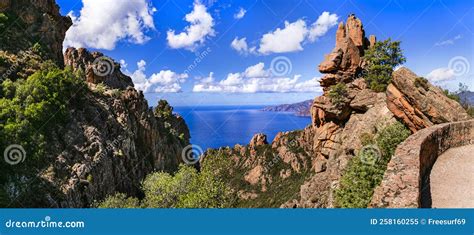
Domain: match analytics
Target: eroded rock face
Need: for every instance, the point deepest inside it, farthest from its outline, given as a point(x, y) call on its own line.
point(420, 106)
point(112, 139)
point(110, 145)
point(41, 21)
point(97, 68)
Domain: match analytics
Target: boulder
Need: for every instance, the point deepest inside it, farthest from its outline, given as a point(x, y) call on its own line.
point(419, 107)
point(97, 68)
point(258, 140)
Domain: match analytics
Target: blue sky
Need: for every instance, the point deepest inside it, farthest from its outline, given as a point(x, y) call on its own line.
point(158, 42)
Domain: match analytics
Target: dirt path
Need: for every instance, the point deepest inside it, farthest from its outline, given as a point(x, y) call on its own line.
point(452, 179)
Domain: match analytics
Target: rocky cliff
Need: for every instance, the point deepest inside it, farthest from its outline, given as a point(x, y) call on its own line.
point(303, 168)
point(111, 140)
point(33, 22)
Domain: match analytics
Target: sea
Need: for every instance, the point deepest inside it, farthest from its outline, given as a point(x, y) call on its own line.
point(220, 126)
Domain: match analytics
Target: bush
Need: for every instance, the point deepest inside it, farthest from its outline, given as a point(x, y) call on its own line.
point(100, 88)
point(119, 200)
point(381, 59)
point(360, 178)
point(422, 82)
point(31, 113)
point(338, 93)
point(3, 20)
point(452, 95)
point(188, 188)
point(163, 109)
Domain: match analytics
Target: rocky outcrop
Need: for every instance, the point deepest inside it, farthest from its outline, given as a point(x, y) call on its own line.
point(303, 168)
point(40, 22)
point(97, 68)
point(112, 139)
point(344, 62)
point(110, 145)
point(406, 181)
point(418, 104)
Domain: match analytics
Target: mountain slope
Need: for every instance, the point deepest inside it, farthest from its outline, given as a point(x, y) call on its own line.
point(81, 132)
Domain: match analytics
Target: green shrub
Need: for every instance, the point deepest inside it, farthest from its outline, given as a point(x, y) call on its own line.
point(381, 59)
point(360, 178)
point(452, 95)
point(119, 200)
point(422, 82)
point(163, 109)
point(188, 188)
point(32, 112)
point(101, 88)
point(470, 111)
point(3, 20)
point(338, 93)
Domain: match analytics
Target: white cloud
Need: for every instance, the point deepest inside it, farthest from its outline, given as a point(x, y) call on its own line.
point(441, 74)
point(200, 28)
point(101, 24)
point(240, 14)
point(322, 25)
point(290, 38)
point(241, 46)
point(449, 41)
point(287, 39)
point(256, 79)
point(163, 82)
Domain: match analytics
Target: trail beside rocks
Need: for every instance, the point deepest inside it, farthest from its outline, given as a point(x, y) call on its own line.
point(452, 179)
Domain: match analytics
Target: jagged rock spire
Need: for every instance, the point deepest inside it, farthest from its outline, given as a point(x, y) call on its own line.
point(343, 63)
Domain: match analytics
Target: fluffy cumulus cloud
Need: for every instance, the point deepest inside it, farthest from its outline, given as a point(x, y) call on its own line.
point(240, 14)
point(290, 38)
point(101, 24)
point(322, 25)
point(163, 82)
point(256, 79)
point(241, 46)
point(441, 74)
point(287, 39)
point(201, 27)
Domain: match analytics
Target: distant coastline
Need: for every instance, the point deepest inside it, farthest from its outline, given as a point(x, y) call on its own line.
point(220, 126)
point(299, 109)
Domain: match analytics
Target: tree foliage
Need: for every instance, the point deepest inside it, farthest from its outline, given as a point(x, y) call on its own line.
point(31, 113)
point(338, 93)
point(381, 59)
point(187, 188)
point(360, 178)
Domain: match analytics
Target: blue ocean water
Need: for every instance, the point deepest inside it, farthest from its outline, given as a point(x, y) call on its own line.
point(219, 126)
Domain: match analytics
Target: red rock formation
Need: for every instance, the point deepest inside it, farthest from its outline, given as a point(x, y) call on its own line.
point(97, 68)
point(423, 106)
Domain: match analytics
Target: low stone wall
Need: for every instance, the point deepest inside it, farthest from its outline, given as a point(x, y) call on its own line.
point(406, 182)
